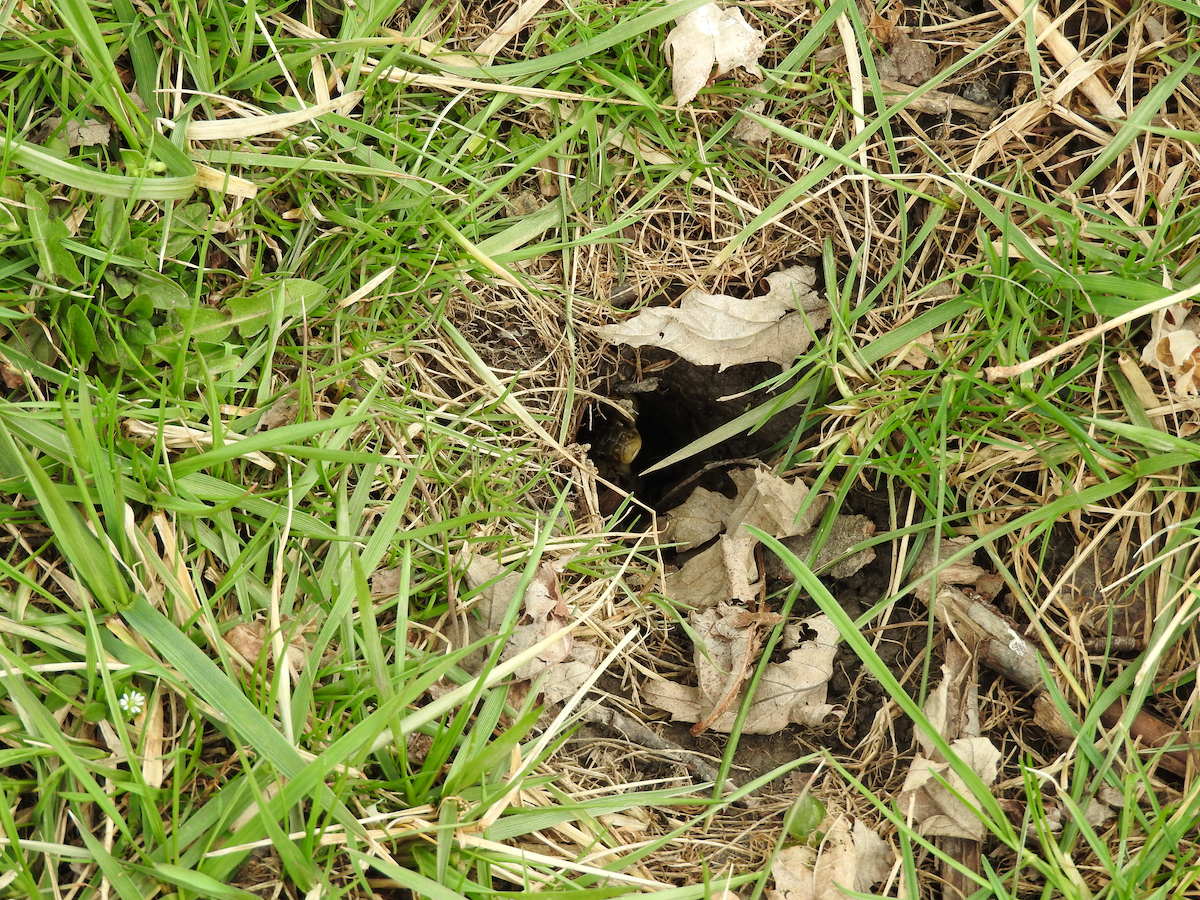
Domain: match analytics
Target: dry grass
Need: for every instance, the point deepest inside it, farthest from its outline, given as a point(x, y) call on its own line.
point(1086, 534)
point(1022, 161)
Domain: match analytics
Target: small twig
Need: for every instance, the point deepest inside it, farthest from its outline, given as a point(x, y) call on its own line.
point(995, 373)
point(1005, 651)
point(639, 734)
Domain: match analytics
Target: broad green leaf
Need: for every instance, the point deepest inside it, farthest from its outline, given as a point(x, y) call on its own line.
point(121, 283)
point(139, 307)
point(112, 222)
point(209, 326)
point(139, 334)
point(202, 361)
point(136, 249)
point(805, 817)
point(162, 291)
point(127, 357)
point(106, 347)
point(82, 334)
point(292, 297)
point(48, 235)
point(187, 227)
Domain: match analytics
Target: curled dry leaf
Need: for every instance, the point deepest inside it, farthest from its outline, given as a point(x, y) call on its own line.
point(699, 518)
point(961, 572)
point(567, 664)
point(936, 808)
point(750, 130)
point(852, 857)
point(918, 354)
point(1096, 814)
point(250, 641)
point(726, 569)
point(729, 636)
point(763, 500)
point(792, 691)
point(568, 676)
point(544, 612)
point(89, 133)
point(707, 37)
point(718, 330)
point(282, 412)
point(1174, 348)
point(937, 711)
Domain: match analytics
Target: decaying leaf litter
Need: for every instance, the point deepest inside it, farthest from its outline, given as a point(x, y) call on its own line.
point(910, 59)
point(732, 233)
point(719, 584)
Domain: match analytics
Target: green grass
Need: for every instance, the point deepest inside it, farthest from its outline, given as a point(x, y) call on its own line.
point(245, 376)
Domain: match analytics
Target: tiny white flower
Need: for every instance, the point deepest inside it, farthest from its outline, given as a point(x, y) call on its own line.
point(132, 703)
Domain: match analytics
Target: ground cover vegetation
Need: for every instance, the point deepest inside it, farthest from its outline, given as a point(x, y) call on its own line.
point(320, 575)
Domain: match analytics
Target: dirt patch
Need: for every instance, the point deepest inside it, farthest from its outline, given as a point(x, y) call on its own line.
point(687, 403)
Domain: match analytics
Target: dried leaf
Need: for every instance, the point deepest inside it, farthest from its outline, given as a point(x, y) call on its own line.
point(698, 519)
point(726, 570)
point(792, 691)
point(771, 504)
point(917, 354)
point(12, 377)
point(750, 130)
point(914, 60)
point(544, 612)
point(89, 133)
point(282, 412)
point(881, 27)
point(729, 635)
point(702, 582)
point(250, 641)
point(706, 37)
point(847, 531)
point(937, 711)
point(852, 857)
point(385, 582)
point(767, 502)
point(936, 808)
point(568, 676)
point(1174, 348)
point(961, 572)
point(715, 329)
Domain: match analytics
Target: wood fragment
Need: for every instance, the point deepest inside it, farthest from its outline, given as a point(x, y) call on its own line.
point(639, 734)
point(1003, 649)
point(939, 103)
